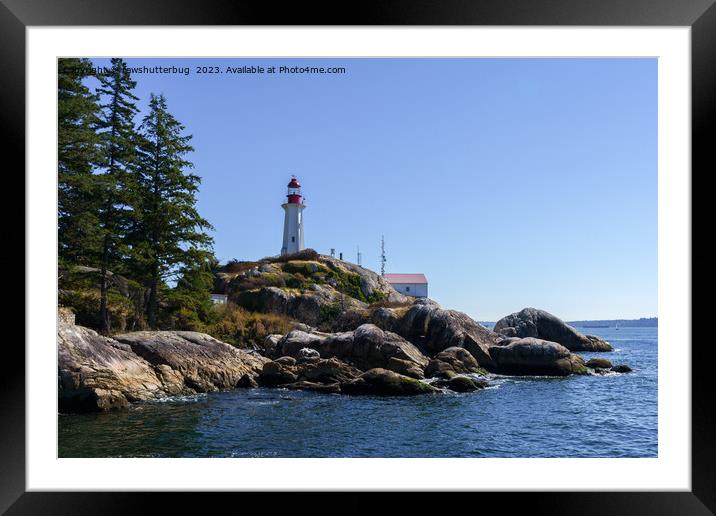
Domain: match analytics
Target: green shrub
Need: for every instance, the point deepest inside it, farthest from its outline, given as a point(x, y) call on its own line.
point(249, 300)
point(376, 297)
point(266, 279)
point(347, 283)
point(306, 254)
point(298, 281)
point(186, 320)
point(238, 266)
point(307, 268)
point(329, 312)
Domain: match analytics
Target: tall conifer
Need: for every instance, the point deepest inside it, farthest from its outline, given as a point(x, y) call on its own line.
point(169, 234)
point(78, 154)
point(116, 185)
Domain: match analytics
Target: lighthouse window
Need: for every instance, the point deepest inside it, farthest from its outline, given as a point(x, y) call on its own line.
point(293, 239)
point(407, 289)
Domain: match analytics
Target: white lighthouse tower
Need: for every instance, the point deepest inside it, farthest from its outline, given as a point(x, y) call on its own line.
point(293, 219)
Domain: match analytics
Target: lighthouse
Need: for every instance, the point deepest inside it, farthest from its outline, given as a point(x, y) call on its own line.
point(293, 219)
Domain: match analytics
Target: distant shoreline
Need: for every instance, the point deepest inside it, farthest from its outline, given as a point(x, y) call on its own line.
point(644, 322)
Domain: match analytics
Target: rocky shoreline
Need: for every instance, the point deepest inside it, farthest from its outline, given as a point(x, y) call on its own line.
point(423, 350)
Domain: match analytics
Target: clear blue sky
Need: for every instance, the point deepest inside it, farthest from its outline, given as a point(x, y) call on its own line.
point(508, 182)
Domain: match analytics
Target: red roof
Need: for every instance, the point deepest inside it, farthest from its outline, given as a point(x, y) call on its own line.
point(406, 278)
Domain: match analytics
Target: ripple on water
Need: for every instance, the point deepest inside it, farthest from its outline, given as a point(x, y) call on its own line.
point(189, 398)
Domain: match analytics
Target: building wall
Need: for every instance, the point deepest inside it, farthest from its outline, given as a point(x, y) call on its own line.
point(412, 289)
point(292, 228)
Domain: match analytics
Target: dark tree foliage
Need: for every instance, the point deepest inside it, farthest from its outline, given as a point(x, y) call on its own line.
point(127, 208)
point(78, 154)
point(168, 235)
point(116, 182)
point(189, 304)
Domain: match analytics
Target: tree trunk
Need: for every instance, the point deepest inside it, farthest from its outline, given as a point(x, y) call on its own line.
point(103, 312)
point(104, 324)
point(152, 306)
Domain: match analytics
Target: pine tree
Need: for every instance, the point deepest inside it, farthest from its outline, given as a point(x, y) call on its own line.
point(115, 186)
point(169, 233)
point(190, 301)
point(78, 154)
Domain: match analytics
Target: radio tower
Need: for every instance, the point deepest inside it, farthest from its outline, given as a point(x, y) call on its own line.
point(382, 255)
point(359, 255)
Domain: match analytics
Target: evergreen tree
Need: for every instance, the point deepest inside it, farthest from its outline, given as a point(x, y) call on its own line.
point(115, 186)
point(78, 154)
point(169, 234)
point(190, 302)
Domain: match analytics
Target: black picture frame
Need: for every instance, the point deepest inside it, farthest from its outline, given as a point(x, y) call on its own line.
point(700, 15)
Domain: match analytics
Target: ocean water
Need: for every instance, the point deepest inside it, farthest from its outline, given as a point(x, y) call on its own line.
point(584, 416)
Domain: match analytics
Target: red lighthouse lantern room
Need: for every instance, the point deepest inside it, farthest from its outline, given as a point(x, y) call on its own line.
point(294, 191)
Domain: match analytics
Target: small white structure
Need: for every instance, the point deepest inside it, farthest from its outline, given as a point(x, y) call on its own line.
point(219, 299)
point(293, 219)
point(415, 285)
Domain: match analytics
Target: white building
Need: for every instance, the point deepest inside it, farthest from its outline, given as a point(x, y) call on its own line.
point(293, 219)
point(219, 299)
point(415, 285)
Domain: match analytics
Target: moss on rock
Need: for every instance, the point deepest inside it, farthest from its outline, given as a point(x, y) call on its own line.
point(305, 267)
point(382, 382)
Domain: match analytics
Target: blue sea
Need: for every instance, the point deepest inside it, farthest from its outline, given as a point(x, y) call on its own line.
point(583, 416)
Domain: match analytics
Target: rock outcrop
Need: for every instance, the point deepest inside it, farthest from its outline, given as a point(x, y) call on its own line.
point(382, 382)
point(366, 347)
point(434, 329)
point(390, 344)
point(308, 287)
point(310, 306)
point(531, 322)
point(372, 285)
point(621, 368)
point(599, 363)
point(204, 363)
point(531, 356)
point(385, 319)
point(97, 373)
point(335, 376)
point(405, 367)
point(451, 362)
point(457, 343)
point(305, 354)
point(461, 383)
point(285, 373)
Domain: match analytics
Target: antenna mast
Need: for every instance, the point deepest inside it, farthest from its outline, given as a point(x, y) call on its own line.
point(382, 255)
point(359, 255)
